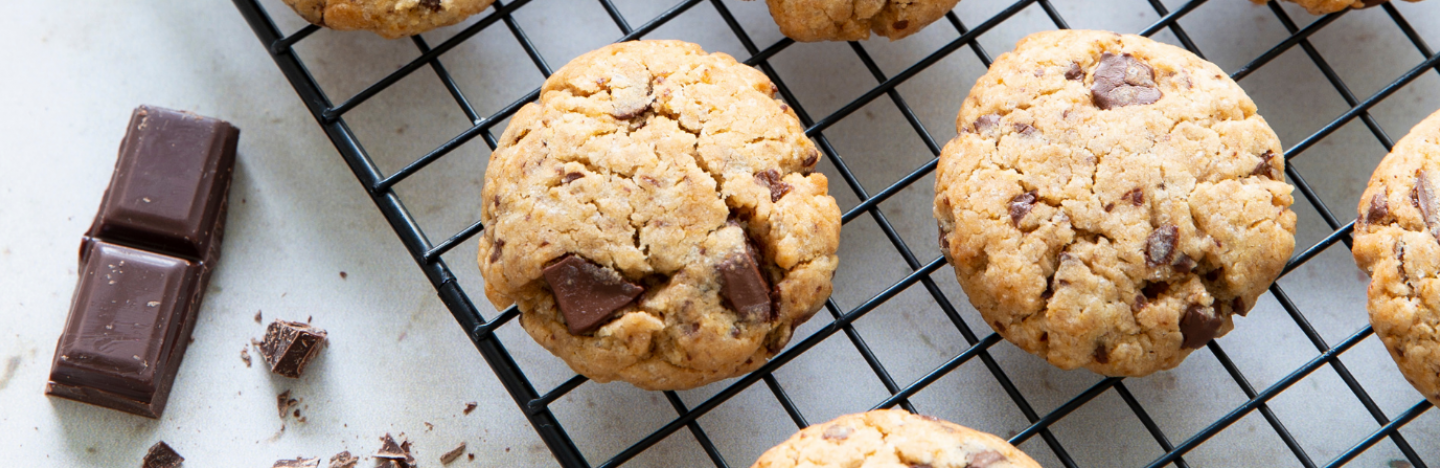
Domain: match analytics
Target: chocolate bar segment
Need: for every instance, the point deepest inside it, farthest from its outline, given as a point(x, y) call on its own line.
point(169, 183)
point(145, 263)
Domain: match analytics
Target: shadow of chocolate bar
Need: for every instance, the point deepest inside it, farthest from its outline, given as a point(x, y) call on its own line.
point(145, 262)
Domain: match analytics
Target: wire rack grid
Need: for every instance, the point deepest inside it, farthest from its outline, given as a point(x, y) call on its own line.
point(536, 405)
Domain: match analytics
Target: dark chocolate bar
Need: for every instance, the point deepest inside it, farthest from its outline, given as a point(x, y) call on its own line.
point(145, 263)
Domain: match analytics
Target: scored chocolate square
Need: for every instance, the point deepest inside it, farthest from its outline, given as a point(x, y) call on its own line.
point(289, 346)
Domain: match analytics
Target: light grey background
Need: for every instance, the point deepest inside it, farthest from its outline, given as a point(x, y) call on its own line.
point(396, 360)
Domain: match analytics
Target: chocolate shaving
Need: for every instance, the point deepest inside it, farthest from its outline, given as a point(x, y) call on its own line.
point(1021, 206)
point(1160, 245)
point(162, 456)
point(1123, 80)
point(344, 460)
point(588, 294)
point(452, 454)
point(770, 178)
point(1198, 325)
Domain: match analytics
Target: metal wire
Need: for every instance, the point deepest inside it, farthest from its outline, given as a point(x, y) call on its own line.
point(536, 406)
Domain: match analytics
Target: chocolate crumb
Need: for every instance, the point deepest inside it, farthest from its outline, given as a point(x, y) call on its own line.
point(283, 402)
point(429, 427)
point(245, 356)
point(344, 275)
point(472, 457)
point(162, 456)
point(452, 454)
point(470, 407)
point(343, 460)
point(257, 316)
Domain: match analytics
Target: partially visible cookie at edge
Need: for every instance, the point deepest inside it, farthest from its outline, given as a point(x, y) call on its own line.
point(893, 439)
point(1325, 7)
point(854, 20)
point(1396, 244)
point(390, 19)
point(657, 218)
point(1112, 202)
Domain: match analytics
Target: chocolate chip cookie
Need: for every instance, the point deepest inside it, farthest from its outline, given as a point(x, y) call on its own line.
point(389, 18)
point(1323, 7)
point(893, 438)
point(1111, 202)
point(853, 20)
point(656, 217)
point(1395, 242)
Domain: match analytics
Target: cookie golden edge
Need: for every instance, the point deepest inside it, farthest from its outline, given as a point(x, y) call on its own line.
point(1396, 247)
point(391, 19)
point(1325, 7)
point(998, 304)
point(892, 437)
point(854, 20)
point(806, 252)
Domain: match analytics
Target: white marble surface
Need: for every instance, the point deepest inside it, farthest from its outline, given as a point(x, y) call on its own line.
point(397, 361)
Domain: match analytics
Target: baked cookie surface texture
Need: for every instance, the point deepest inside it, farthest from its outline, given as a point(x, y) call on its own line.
point(1395, 242)
point(389, 18)
point(854, 20)
point(1325, 7)
point(1111, 202)
point(656, 218)
point(893, 439)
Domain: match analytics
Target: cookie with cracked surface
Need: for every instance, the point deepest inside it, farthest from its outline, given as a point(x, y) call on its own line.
point(854, 20)
point(1395, 243)
point(656, 218)
point(893, 438)
point(1325, 7)
point(1111, 202)
point(390, 19)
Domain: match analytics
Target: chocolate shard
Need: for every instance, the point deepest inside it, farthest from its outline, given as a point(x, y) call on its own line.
point(298, 462)
point(162, 456)
point(452, 454)
point(744, 286)
point(1021, 206)
point(1198, 325)
point(390, 449)
point(985, 459)
point(1160, 245)
point(1123, 80)
point(1379, 207)
point(145, 263)
point(470, 407)
point(289, 346)
point(344, 460)
point(588, 294)
point(1425, 198)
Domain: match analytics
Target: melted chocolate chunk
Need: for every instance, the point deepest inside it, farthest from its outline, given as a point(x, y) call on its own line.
point(1123, 80)
point(1184, 264)
point(495, 251)
point(744, 286)
point(1075, 73)
point(985, 459)
point(1379, 208)
point(162, 456)
point(900, 25)
point(986, 122)
point(588, 294)
point(1424, 197)
point(1024, 129)
point(812, 158)
point(1154, 290)
point(1237, 306)
point(770, 178)
point(571, 177)
point(433, 5)
point(1101, 355)
point(1135, 196)
point(1160, 245)
point(1198, 325)
point(1021, 206)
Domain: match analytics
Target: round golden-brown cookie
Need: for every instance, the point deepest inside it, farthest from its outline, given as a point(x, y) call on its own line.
point(656, 218)
point(893, 439)
point(853, 20)
point(1395, 242)
point(1323, 7)
point(1111, 202)
point(388, 18)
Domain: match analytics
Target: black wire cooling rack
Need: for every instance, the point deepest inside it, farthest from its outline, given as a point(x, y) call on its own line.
point(536, 405)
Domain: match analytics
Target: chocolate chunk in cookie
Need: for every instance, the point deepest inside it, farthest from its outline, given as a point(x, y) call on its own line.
point(1425, 198)
point(744, 286)
point(1160, 245)
point(1021, 206)
point(1199, 326)
point(588, 294)
point(1123, 80)
point(770, 178)
point(1379, 208)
